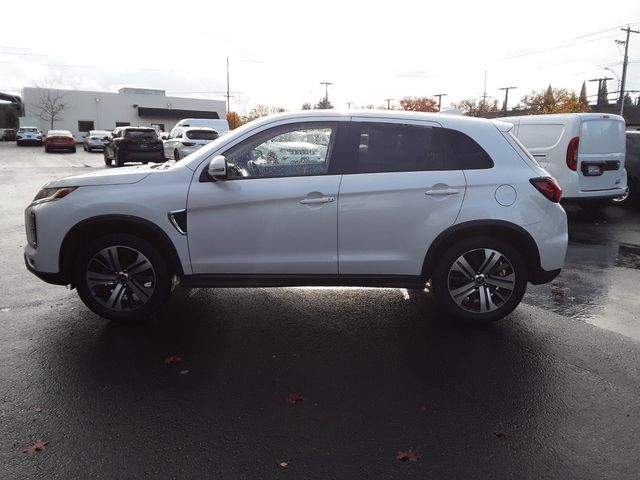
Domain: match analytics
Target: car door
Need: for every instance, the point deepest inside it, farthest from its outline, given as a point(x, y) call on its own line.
point(401, 188)
point(268, 216)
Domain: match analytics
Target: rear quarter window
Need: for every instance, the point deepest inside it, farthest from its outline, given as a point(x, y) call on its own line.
point(469, 154)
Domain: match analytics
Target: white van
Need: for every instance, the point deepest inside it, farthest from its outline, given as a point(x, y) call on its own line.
point(219, 125)
point(584, 152)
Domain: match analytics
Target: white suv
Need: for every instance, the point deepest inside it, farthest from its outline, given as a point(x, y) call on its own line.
point(398, 199)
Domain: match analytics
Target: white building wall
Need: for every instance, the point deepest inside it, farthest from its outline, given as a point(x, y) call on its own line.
point(107, 108)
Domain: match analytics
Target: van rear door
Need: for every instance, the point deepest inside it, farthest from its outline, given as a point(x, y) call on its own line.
point(601, 153)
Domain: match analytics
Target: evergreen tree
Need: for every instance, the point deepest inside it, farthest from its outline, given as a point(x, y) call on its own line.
point(603, 94)
point(583, 94)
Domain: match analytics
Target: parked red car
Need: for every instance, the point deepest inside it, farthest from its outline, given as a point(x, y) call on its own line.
point(59, 140)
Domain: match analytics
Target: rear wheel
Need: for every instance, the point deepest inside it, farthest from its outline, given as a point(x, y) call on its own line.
point(73, 150)
point(122, 277)
point(176, 155)
point(480, 279)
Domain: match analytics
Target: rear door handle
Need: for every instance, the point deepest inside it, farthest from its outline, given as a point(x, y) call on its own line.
point(444, 191)
point(315, 201)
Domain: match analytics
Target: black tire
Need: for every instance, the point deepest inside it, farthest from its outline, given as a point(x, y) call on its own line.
point(84, 147)
point(46, 150)
point(122, 277)
point(119, 158)
point(491, 290)
point(107, 160)
point(73, 150)
point(176, 155)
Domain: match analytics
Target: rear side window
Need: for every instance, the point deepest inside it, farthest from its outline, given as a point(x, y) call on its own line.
point(540, 136)
point(467, 152)
point(387, 147)
point(201, 134)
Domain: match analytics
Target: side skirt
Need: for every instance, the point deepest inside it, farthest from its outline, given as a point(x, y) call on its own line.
point(239, 281)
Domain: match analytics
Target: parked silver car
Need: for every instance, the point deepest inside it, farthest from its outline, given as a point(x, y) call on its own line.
point(94, 140)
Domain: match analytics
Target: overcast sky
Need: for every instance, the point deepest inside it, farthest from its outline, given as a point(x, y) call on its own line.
point(280, 51)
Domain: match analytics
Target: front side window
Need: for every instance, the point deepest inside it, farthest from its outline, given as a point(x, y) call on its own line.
point(300, 149)
point(389, 147)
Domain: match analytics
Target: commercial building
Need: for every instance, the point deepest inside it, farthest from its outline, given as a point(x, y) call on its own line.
point(87, 110)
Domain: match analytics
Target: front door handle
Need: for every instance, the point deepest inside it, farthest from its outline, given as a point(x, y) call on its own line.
point(444, 191)
point(315, 201)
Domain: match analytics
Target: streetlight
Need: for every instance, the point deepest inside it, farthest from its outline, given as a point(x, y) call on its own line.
point(617, 76)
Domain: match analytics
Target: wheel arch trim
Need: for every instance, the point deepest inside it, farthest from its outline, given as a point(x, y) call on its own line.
point(116, 223)
point(494, 228)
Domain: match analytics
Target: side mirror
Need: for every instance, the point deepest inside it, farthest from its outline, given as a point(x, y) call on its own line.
point(217, 169)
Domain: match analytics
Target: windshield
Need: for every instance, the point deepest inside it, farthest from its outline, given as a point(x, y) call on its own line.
point(201, 134)
point(141, 134)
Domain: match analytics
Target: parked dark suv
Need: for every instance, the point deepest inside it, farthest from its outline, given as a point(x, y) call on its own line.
point(632, 166)
point(133, 144)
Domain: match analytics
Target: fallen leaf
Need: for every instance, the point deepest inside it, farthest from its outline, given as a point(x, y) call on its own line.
point(172, 359)
point(35, 447)
point(183, 372)
point(500, 434)
point(294, 398)
point(407, 456)
point(38, 409)
point(284, 464)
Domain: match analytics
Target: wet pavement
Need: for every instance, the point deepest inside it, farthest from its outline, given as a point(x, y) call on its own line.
point(552, 391)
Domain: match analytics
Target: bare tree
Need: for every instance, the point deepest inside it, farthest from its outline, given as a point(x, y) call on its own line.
point(51, 104)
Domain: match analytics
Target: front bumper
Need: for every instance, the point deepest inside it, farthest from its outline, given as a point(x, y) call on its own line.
point(55, 278)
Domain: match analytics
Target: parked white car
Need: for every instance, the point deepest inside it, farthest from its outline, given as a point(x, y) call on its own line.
point(399, 199)
point(29, 136)
point(184, 141)
point(584, 152)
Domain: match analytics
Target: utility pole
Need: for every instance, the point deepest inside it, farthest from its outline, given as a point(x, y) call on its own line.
point(600, 80)
point(388, 100)
point(349, 105)
point(440, 95)
point(484, 94)
point(326, 91)
point(228, 95)
point(624, 66)
point(506, 97)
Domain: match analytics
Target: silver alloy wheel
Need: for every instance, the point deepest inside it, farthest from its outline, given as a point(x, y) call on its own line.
point(621, 198)
point(120, 278)
point(481, 280)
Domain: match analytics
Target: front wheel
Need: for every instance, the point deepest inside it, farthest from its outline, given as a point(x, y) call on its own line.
point(176, 155)
point(119, 157)
point(107, 160)
point(480, 279)
point(122, 277)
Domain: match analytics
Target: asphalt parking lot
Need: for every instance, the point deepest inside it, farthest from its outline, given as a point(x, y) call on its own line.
point(323, 383)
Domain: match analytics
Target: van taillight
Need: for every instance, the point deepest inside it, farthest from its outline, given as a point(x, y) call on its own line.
point(572, 153)
point(548, 187)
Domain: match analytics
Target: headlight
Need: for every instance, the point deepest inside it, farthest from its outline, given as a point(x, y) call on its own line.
point(51, 194)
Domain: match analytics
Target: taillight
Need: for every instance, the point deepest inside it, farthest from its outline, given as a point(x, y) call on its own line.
point(548, 187)
point(572, 153)
point(188, 144)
